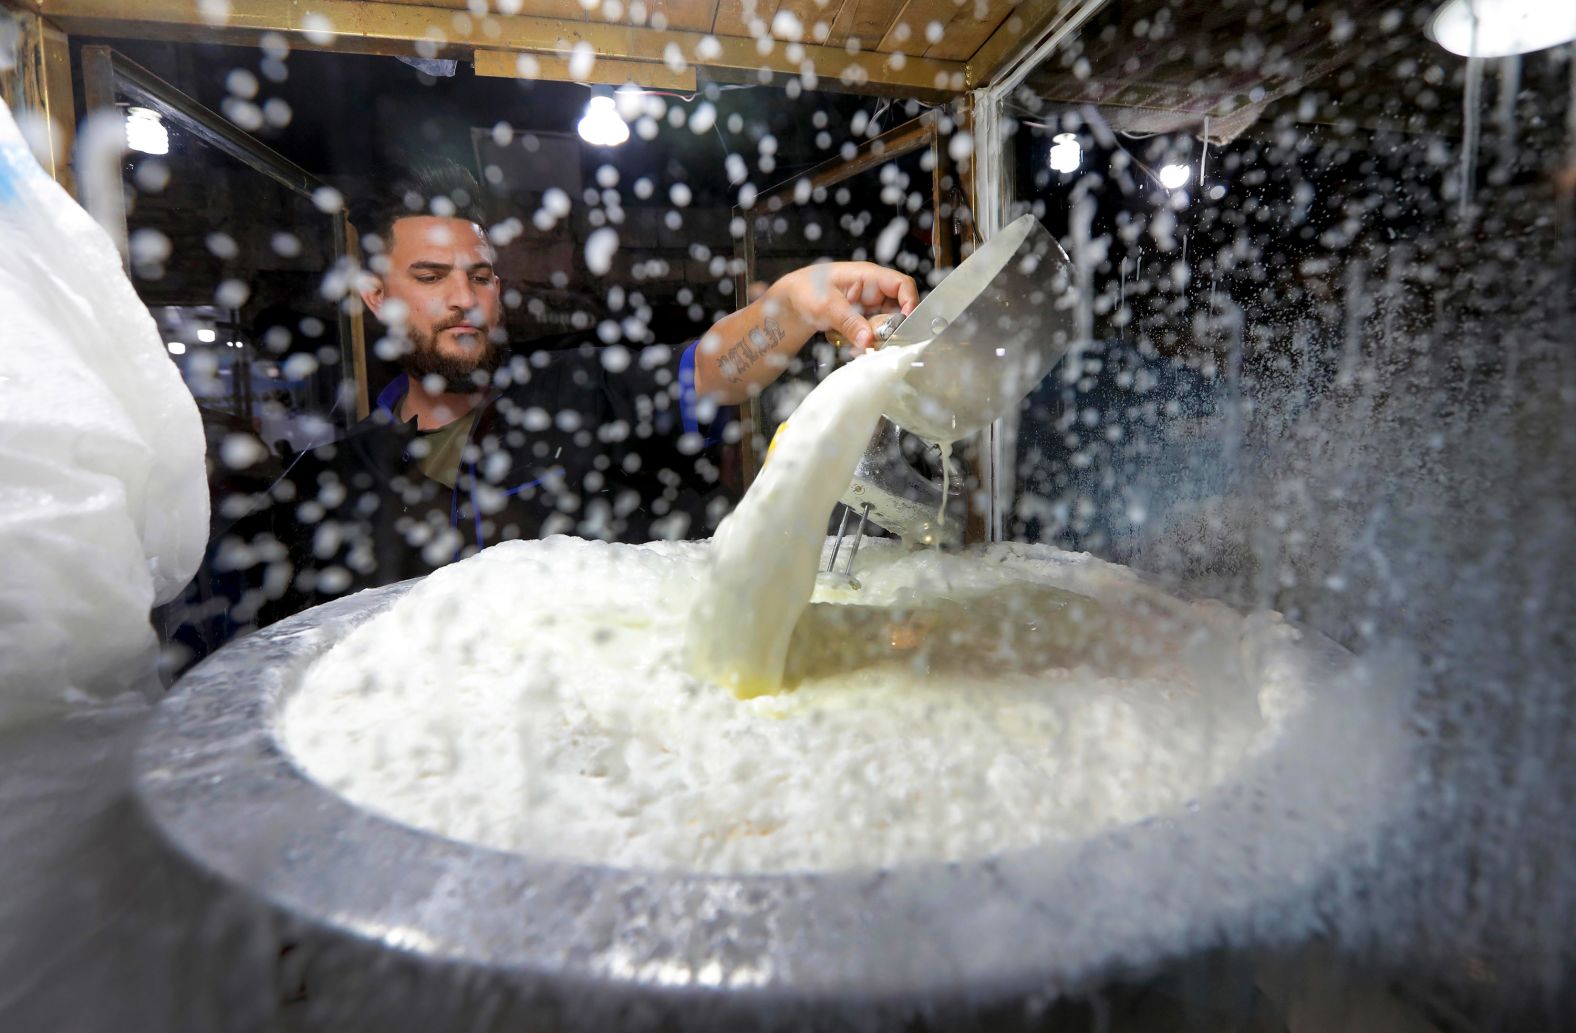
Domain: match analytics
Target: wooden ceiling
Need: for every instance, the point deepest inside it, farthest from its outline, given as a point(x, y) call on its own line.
point(947, 30)
point(1158, 61)
point(1215, 66)
point(1151, 65)
point(912, 47)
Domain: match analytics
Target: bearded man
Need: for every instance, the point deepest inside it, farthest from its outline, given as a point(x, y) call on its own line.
point(472, 444)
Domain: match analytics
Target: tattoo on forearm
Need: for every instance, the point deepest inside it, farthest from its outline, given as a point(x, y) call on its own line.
point(747, 351)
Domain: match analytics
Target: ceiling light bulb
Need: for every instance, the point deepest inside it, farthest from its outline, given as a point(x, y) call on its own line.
point(176, 347)
point(1066, 152)
point(1173, 176)
point(145, 131)
point(205, 335)
point(601, 125)
point(1504, 27)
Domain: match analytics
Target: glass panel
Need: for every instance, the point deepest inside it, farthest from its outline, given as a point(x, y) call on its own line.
point(882, 214)
point(231, 262)
point(1259, 725)
point(1323, 270)
point(237, 292)
point(13, 55)
point(1261, 251)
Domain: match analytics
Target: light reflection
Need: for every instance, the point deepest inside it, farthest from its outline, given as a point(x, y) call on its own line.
point(1173, 176)
point(1502, 27)
point(145, 131)
point(1066, 152)
point(602, 126)
point(400, 937)
point(623, 965)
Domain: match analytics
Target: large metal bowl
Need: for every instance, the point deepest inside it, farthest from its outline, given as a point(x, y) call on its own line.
point(372, 924)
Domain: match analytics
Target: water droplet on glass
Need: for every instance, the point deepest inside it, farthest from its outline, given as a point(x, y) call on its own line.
point(599, 250)
point(239, 451)
point(149, 246)
point(232, 293)
point(581, 60)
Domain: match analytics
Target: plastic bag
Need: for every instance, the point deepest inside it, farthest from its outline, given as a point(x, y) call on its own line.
point(103, 496)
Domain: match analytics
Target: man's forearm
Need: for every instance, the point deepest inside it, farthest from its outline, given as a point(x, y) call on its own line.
point(745, 351)
point(749, 349)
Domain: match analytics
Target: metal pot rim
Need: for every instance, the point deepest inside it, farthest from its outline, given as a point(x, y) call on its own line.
point(222, 791)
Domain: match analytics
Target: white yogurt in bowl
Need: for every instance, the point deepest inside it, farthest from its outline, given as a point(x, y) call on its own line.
point(535, 699)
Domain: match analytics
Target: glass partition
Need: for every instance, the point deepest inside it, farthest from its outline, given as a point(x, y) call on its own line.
point(1296, 277)
point(241, 256)
point(1243, 704)
point(1323, 299)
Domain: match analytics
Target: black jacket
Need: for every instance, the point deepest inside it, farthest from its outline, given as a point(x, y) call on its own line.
point(576, 442)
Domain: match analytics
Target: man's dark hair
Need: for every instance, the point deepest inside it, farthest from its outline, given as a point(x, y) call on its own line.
point(435, 186)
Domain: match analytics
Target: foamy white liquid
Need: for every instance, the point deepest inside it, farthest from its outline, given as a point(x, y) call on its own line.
point(765, 554)
point(534, 698)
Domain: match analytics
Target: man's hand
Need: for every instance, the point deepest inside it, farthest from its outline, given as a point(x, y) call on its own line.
point(749, 349)
point(841, 296)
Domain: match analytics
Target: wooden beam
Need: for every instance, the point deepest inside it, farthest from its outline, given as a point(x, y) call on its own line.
point(752, 413)
point(40, 86)
point(607, 71)
point(863, 89)
point(350, 321)
point(901, 139)
point(399, 29)
point(1029, 24)
point(57, 102)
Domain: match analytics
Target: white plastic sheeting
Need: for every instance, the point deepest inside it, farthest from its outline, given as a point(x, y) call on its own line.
point(103, 498)
point(103, 511)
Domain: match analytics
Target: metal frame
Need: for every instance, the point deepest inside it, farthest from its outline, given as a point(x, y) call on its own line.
point(992, 196)
point(107, 75)
point(1030, 24)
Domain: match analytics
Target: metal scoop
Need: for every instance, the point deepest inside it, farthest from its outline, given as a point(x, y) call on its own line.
point(989, 333)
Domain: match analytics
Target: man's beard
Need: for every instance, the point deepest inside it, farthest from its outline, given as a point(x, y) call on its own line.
point(461, 375)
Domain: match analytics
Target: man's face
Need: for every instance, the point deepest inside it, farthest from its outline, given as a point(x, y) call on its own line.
point(440, 293)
